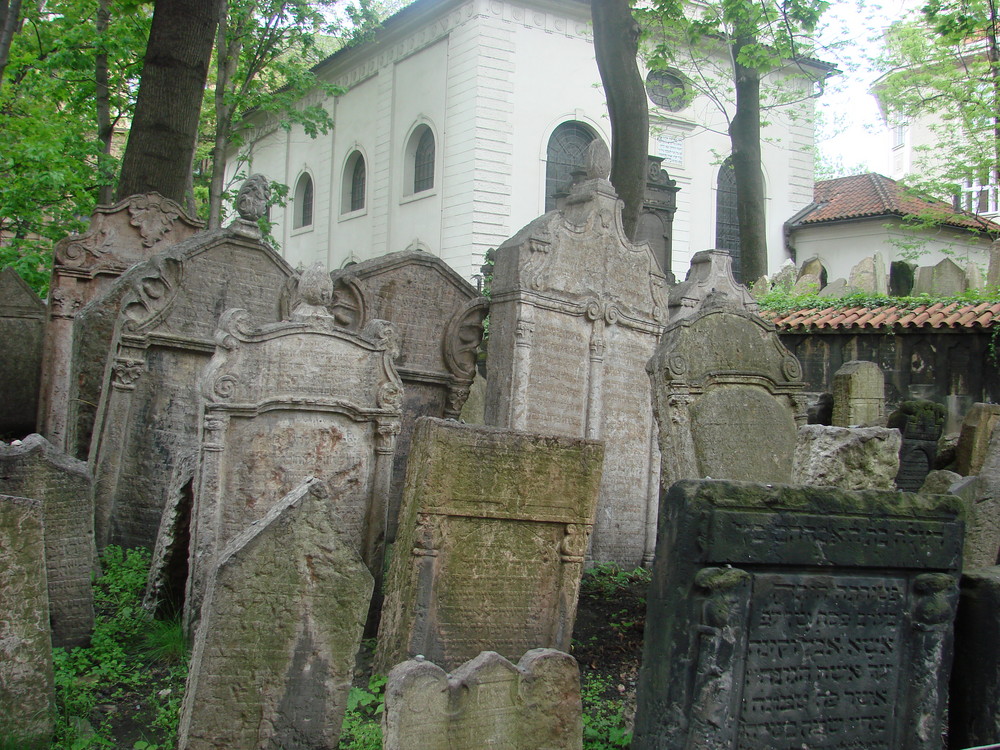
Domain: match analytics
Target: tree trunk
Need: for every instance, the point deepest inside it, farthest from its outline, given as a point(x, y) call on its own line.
point(226, 57)
point(10, 16)
point(164, 130)
point(744, 134)
point(616, 43)
point(102, 99)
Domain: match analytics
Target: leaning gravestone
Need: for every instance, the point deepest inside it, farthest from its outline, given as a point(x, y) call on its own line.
point(27, 690)
point(84, 267)
point(284, 612)
point(869, 276)
point(920, 423)
point(148, 416)
point(487, 702)
point(785, 617)
point(22, 325)
point(576, 310)
point(287, 401)
point(974, 439)
point(62, 485)
point(438, 318)
point(858, 395)
point(720, 377)
point(492, 535)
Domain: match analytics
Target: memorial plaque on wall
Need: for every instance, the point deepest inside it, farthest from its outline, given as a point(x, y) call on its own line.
point(786, 617)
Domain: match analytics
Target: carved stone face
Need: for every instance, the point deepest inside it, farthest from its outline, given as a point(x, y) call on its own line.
point(251, 201)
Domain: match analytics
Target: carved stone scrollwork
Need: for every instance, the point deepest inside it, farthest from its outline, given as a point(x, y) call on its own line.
point(225, 386)
point(536, 267)
point(153, 215)
point(153, 294)
point(463, 337)
point(594, 310)
point(63, 303)
point(82, 251)
point(791, 368)
point(313, 294)
point(234, 325)
point(126, 372)
point(390, 396)
point(523, 333)
point(383, 335)
point(457, 396)
point(348, 305)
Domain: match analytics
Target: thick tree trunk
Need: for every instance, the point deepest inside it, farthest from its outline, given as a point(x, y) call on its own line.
point(10, 16)
point(616, 43)
point(161, 143)
point(102, 99)
point(744, 134)
point(226, 57)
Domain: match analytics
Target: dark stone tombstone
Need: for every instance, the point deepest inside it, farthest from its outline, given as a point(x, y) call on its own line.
point(901, 277)
point(656, 221)
point(785, 617)
point(920, 423)
point(22, 324)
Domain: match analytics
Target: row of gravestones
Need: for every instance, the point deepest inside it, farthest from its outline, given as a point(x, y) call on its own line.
point(490, 511)
point(869, 276)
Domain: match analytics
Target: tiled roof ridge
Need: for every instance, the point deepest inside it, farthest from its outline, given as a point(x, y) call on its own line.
point(935, 314)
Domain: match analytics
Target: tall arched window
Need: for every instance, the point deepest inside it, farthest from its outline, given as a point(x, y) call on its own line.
point(302, 209)
point(354, 183)
point(565, 153)
point(423, 162)
point(727, 225)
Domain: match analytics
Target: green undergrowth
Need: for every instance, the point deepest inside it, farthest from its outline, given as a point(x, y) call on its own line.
point(362, 729)
point(779, 300)
point(604, 724)
point(129, 681)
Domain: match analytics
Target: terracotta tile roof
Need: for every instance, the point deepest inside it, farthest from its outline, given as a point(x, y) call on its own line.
point(936, 315)
point(871, 195)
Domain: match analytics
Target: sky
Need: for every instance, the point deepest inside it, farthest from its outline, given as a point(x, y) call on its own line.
point(851, 133)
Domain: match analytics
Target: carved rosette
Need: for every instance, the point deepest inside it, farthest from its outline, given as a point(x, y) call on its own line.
point(153, 294)
point(125, 373)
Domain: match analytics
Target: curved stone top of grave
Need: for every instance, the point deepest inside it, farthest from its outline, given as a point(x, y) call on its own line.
point(710, 276)
point(580, 252)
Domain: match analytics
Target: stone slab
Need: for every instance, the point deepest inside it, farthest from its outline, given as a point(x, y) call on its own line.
point(62, 485)
point(284, 613)
point(859, 395)
point(858, 458)
point(974, 439)
point(486, 702)
point(785, 617)
point(493, 531)
point(22, 327)
point(920, 423)
point(27, 690)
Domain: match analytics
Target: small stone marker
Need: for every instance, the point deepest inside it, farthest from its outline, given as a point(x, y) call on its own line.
point(61, 484)
point(974, 708)
point(901, 276)
point(920, 423)
point(721, 376)
point(22, 326)
point(487, 702)
point(974, 439)
point(27, 691)
point(492, 535)
point(836, 288)
point(851, 458)
point(859, 395)
point(284, 614)
point(786, 617)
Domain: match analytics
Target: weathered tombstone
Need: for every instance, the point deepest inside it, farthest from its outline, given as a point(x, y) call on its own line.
point(901, 277)
point(806, 284)
point(993, 272)
point(27, 690)
point(784, 617)
point(835, 289)
point(974, 439)
point(850, 458)
point(821, 412)
point(576, 311)
point(22, 325)
point(814, 267)
point(486, 702)
point(720, 375)
point(858, 395)
point(760, 288)
point(869, 276)
point(148, 416)
point(974, 276)
point(946, 279)
point(62, 485)
point(284, 613)
point(438, 319)
point(974, 705)
point(920, 423)
point(84, 267)
point(492, 535)
point(786, 276)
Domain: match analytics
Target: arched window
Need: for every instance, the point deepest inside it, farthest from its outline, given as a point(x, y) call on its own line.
point(302, 208)
point(727, 225)
point(423, 162)
point(565, 153)
point(353, 187)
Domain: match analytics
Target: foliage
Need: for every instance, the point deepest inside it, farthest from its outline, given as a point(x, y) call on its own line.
point(607, 579)
point(779, 300)
point(362, 728)
point(126, 657)
point(604, 723)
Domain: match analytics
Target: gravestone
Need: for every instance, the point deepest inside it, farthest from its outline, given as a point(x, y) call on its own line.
point(901, 277)
point(84, 267)
point(285, 402)
point(807, 283)
point(851, 458)
point(284, 614)
point(835, 289)
point(492, 535)
point(814, 267)
point(974, 705)
point(974, 439)
point(720, 376)
point(148, 416)
point(946, 279)
point(22, 325)
point(62, 485)
point(576, 310)
point(27, 690)
point(786, 276)
point(869, 276)
point(858, 395)
point(973, 277)
point(993, 271)
point(438, 318)
point(486, 702)
point(920, 423)
point(786, 617)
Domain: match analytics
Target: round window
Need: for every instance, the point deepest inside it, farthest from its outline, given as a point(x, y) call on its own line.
point(666, 90)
